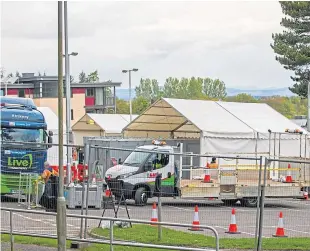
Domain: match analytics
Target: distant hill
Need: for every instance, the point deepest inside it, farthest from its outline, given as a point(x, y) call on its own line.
point(124, 93)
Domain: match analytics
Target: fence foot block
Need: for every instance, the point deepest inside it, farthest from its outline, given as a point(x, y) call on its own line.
point(79, 245)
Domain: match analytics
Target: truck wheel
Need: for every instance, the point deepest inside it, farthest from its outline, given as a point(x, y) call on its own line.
point(141, 196)
point(229, 202)
point(249, 202)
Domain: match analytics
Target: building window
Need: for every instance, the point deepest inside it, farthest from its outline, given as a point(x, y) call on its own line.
point(21, 93)
point(89, 92)
point(72, 114)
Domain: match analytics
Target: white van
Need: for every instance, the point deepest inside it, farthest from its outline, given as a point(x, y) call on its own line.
point(137, 174)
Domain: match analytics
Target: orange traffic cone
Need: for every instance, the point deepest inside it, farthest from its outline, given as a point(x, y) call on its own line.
point(108, 192)
point(233, 228)
point(196, 222)
point(288, 178)
point(207, 178)
point(154, 214)
point(280, 228)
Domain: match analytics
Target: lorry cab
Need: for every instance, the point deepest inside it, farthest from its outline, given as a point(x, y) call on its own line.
point(136, 175)
point(23, 140)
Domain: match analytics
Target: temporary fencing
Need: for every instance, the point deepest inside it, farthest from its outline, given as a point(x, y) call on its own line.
point(237, 180)
point(10, 229)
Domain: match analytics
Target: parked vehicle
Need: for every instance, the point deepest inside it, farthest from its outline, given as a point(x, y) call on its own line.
point(21, 121)
point(136, 175)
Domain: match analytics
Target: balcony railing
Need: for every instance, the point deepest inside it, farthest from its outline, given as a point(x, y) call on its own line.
point(109, 103)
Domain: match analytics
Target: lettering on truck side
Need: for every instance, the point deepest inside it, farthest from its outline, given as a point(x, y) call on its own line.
point(25, 162)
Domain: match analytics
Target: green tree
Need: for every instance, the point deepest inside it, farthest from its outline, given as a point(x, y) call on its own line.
point(185, 88)
point(171, 87)
point(10, 75)
point(93, 77)
point(139, 105)
point(17, 74)
point(242, 98)
point(214, 88)
point(292, 46)
point(39, 74)
point(82, 77)
point(122, 106)
point(149, 89)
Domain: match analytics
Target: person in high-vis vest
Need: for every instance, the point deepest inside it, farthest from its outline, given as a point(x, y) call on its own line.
point(213, 164)
point(157, 163)
point(49, 197)
point(48, 171)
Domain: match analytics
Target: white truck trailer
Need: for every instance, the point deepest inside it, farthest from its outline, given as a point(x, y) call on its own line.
point(52, 125)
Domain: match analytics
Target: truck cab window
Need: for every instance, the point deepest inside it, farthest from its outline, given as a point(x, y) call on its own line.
point(159, 160)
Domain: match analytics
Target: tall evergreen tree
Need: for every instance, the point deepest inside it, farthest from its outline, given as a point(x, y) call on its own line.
point(292, 46)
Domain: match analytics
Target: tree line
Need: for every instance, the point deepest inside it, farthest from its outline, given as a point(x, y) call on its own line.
point(149, 90)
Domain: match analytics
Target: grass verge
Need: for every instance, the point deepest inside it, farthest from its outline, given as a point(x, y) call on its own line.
point(29, 240)
point(148, 234)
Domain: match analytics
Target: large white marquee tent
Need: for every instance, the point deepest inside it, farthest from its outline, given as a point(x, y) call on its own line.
point(222, 127)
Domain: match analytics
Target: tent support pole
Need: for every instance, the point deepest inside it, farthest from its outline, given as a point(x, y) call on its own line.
point(274, 152)
point(305, 158)
point(300, 156)
point(256, 146)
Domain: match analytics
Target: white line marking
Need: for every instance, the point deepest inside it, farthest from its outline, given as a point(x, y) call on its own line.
point(297, 231)
point(180, 208)
point(39, 220)
point(239, 231)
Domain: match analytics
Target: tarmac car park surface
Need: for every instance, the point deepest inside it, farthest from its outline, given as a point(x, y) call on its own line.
point(212, 213)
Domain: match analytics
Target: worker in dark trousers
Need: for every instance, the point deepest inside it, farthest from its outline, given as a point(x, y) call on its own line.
point(49, 197)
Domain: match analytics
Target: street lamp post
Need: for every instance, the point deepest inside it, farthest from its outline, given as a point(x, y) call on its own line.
point(61, 202)
point(68, 93)
point(130, 105)
point(68, 110)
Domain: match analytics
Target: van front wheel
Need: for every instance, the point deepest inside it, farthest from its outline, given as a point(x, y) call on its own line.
point(141, 196)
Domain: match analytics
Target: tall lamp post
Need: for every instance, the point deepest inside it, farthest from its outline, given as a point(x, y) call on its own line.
point(130, 106)
point(68, 108)
point(68, 93)
point(61, 202)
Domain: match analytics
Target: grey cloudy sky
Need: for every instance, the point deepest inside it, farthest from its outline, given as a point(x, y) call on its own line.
point(227, 40)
